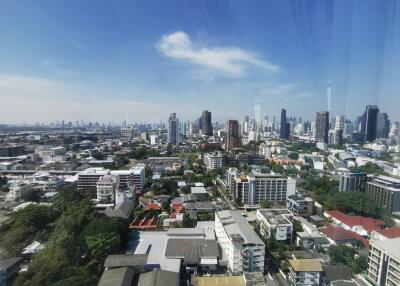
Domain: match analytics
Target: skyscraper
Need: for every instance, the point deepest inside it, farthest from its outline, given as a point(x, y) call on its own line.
point(232, 135)
point(173, 130)
point(284, 131)
point(339, 122)
point(206, 123)
point(369, 123)
point(322, 126)
point(383, 125)
point(258, 116)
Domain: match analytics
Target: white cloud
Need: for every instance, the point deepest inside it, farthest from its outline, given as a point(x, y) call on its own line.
point(229, 61)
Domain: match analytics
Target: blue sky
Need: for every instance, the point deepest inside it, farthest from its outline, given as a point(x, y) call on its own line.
point(141, 60)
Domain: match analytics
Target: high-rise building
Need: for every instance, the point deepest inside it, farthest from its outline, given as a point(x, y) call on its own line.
point(385, 191)
point(339, 122)
point(285, 126)
point(322, 126)
point(173, 130)
point(206, 123)
point(127, 133)
point(383, 125)
point(352, 182)
point(384, 262)
point(241, 247)
point(256, 188)
point(232, 136)
point(258, 116)
point(369, 123)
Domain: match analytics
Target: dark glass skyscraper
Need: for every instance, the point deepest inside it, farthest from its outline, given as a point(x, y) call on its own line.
point(206, 123)
point(284, 132)
point(369, 123)
point(383, 125)
point(322, 126)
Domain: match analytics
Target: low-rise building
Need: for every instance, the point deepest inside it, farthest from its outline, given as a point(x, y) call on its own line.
point(300, 205)
point(305, 272)
point(275, 223)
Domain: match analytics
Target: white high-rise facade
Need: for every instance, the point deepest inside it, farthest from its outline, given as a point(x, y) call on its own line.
point(242, 249)
point(339, 122)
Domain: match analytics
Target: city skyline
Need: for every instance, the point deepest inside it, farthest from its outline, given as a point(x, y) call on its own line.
point(64, 62)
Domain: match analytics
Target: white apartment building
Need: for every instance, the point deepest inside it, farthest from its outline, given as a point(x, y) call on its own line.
point(213, 160)
point(255, 188)
point(106, 187)
point(384, 262)
point(275, 223)
point(135, 176)
point(242, 249)
point(265, 150)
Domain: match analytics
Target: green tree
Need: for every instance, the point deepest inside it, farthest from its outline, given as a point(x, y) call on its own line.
point(187, 221)
point(265, 204)
point(100, 245)
point(293, 155)
point(297, 227)
point(31, 196)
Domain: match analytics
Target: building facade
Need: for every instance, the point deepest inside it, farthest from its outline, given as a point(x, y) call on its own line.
point(232, 136)
point(256, 188)
point(300, 205)
point(242, 249)
point(355, 182)
point(384, 262)
point(206, 123)
point(385, 191)
point(173, 130)
point(135, 176)
point(322, 126)
point(275, 223)
point(213, 160)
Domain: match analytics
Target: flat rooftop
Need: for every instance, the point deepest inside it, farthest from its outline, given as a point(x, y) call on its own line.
point(236, 225)
point(391, 246)
point(276, 216)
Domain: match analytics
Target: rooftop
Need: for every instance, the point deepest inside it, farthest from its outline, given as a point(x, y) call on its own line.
point(191, 250)
point(336, 272)
point(391, 232)
point(391, 246)
point(367, 223)
point(125, 260)
point(159, 277)
point(218, 281)
point(340, 234)
point(122, 276)
point(276, 216)
point(306, 265)
point(236, 225)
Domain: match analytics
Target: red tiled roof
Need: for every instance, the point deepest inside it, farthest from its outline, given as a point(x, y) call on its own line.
point(143, 224)
point(176, 209)
point(390, 232)
point(152, 206)
point(337, 233)
point(368, 223)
